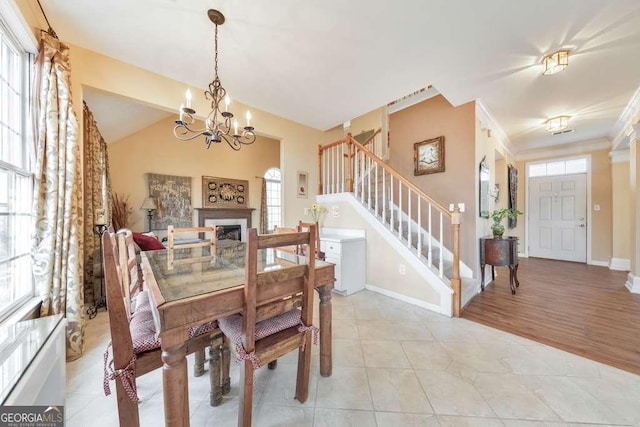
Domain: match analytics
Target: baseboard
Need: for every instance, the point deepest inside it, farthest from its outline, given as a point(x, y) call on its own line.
point(598, 263)
point(404, 298)
point(633, 283)
point(523, 255)
point(620, 264)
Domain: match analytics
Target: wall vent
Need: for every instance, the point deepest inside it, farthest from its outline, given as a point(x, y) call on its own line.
point(560, 132)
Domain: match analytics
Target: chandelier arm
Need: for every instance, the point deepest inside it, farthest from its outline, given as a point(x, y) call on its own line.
point(180, 130)
point(217, 124)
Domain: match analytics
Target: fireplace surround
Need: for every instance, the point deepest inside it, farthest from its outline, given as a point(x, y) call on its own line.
point(208, 217)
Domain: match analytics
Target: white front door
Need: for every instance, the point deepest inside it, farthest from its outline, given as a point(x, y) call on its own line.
point(558, 217)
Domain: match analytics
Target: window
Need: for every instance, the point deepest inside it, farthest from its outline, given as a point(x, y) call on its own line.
point(274, 206)
point(561, 167)
point(16, 179)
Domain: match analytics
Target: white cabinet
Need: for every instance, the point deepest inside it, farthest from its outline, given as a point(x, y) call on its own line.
point(345, 249)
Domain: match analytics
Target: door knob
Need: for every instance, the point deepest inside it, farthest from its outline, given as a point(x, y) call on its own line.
point(581, 218)
point(581, 225)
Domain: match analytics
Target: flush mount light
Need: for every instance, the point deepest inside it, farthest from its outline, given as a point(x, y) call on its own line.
point(555, 62)
point(556, 124)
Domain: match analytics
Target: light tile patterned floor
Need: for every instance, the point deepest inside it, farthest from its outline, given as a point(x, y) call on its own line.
point(394, 365)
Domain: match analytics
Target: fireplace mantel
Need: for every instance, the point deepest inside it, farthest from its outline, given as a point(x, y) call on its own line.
point(208, 213)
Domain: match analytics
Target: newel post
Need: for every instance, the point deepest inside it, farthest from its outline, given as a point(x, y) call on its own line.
point(349, 163)
point(320, 169)
point(456, 283)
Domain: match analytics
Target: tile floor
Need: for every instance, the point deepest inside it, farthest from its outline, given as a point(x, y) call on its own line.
point(394, 365)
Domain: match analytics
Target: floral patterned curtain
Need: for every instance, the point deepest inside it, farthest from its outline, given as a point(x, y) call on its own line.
point(57, 242)
point(264, 219)
point(96, 196)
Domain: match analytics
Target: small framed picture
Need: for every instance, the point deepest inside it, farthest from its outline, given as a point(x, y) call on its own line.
point(303, 182)
point(428, 156)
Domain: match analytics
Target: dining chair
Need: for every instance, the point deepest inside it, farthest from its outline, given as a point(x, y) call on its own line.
point(135, 345)
point(281, 230)
point(129, 266)
point(304, 226)
point(270, 329)
point(200, 242)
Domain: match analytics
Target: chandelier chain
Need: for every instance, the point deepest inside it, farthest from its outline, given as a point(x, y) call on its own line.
point(218, 124)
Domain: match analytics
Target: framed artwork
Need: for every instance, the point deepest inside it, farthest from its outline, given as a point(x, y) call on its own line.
point(428, 156)
point(224, 193)
point(512, 175)
point(303, 180)
point(173, 201)
point(485, 177)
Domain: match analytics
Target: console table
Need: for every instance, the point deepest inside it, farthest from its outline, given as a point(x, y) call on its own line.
point(500, 251)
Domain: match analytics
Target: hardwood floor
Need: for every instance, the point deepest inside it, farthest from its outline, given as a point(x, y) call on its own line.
point(579, 308)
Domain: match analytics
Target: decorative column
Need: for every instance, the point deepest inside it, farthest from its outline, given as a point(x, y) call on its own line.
point(633, 280)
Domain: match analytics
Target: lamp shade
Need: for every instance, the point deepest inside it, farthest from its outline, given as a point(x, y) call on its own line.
point(148, 203)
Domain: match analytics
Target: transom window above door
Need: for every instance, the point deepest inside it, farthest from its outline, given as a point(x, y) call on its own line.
point(558, 167)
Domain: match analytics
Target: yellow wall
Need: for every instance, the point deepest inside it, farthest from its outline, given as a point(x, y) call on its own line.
point(155, 149)
point(385, 274)
point(621, 194)
point(601, 189)
point(430, 119)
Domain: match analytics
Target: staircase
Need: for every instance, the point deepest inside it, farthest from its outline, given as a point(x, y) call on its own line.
point(419, 223)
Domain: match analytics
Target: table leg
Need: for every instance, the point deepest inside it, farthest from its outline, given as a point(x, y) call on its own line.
point(325, 331)
point(512, 284)
point(482, 277)
point(174, 384)
point(515, 275)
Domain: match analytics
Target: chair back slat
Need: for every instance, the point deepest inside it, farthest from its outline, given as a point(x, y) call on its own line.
point(131, 285)
point(305, 226)
point(172, 245)
point(283, 239)
point(118, 314)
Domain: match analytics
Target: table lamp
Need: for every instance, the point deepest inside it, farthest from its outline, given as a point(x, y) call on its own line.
point(150, 205)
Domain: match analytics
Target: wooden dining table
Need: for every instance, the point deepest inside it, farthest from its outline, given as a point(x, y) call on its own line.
point(187, 289)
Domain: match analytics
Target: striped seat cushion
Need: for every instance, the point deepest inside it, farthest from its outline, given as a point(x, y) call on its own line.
point(232, 325)
point(143, 329)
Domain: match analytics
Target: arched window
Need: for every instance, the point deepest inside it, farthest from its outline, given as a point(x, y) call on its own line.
point(274, 193)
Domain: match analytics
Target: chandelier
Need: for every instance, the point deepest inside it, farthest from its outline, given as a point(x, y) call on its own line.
point(555, 62)
point(218, 125)
point(557, 124)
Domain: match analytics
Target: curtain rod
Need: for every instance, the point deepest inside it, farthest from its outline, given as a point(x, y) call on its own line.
point(50, 31)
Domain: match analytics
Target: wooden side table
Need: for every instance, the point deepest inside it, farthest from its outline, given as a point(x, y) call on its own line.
point(500, 251)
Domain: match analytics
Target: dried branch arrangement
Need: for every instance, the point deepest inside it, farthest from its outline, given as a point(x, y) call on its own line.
point(121, 210)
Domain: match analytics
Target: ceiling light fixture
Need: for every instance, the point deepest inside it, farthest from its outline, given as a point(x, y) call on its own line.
point(218, 124)
point(555, 62)
point(556, 124)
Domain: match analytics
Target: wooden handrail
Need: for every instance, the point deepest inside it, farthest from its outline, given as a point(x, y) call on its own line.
point(333, 144)
point(400, 178)
point(368, 140)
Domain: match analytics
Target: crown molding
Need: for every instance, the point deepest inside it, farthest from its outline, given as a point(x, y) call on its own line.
point(578, 147)
point(490, 122)
point(620, 156)
point(624, 126)
point(412, 99)
point(634, 135)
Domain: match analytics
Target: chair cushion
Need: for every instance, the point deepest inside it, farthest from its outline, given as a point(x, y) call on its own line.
point(147, 243)
point(232, 325)
point(143, 329)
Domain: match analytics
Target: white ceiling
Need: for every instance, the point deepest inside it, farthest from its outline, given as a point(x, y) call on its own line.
point(118, 117)
point(322, 63)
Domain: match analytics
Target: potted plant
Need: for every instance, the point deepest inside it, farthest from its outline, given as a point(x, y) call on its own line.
point(498, 215)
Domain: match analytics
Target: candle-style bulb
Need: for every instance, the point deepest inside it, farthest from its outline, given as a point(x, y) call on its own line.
point(180, 111)
point(248, 118)
point(227, 101)
point(235, 127)
point(188, 96)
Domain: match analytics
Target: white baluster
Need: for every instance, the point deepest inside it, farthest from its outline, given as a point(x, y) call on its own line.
point(441, 263)
point(391, 203)
point(369, 185)
point(409, 216)
point(419, 248)
point(375, 166)
point(363, 164)
point(385, 202)
point(342, 161)
point(400, 210)
point(430, 253)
